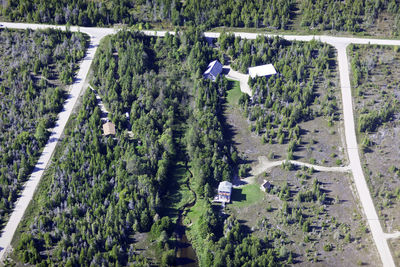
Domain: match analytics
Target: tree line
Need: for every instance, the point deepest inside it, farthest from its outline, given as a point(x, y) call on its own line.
point(249, 13)
point(348, 16)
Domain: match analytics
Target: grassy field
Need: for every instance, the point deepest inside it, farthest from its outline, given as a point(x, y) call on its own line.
point(195, 211)
point(246, 195)
point(234, 93)
point(180, 192)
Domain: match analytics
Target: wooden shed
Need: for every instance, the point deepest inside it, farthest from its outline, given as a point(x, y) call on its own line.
point(108, 128)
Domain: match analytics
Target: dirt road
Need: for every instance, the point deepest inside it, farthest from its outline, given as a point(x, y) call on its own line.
point(31, 184)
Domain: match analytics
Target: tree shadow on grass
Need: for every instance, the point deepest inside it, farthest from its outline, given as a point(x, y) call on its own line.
point(237, 195)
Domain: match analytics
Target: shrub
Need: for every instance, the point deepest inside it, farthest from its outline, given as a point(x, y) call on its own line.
point(327, 247)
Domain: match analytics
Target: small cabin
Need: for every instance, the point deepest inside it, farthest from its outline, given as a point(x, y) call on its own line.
point(108, 128)
point(213, 70)
point(224, 191)
point(261, 71)
point(266, 186)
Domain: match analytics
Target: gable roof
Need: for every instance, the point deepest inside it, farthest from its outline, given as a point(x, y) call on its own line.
point(109, 128)
point(266, 184)
point(262, 70)
point(225, 186)
point(214, 68)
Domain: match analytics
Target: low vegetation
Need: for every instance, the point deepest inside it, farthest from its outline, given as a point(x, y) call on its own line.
point(375, 86)
point(312, 216)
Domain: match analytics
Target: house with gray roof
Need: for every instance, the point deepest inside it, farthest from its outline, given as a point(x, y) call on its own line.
point(224, 191)
point(213, 70)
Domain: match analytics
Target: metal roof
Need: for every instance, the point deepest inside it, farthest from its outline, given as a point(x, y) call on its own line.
point(225, 186)
point(214, 68)
point(262, 70)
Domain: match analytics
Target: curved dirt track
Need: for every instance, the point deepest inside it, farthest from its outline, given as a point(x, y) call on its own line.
point(96, 34)
point(341, 43)
point(264, 164)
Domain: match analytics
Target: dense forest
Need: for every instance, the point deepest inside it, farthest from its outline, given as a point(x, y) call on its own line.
point(280, 102)
point(100, 191)
point(249, 13)
point(34, 67)
point(349, 16)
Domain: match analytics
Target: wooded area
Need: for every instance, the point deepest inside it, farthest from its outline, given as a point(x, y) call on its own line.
point(280, 102)
point(348, 16)
point(34, 67)
point(100, 191)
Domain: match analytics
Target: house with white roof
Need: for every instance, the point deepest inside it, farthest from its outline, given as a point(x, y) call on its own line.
point(224, 191)
point(262, 70)
point(213, 70)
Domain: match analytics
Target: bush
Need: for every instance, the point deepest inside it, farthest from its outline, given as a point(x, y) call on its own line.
point(327, 247)
point(168, 258)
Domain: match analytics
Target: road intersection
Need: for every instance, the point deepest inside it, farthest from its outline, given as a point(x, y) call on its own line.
point(96, 34)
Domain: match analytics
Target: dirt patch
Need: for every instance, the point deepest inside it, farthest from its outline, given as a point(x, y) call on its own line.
point(247, 142)
point(338, 234)
point(378, 87)
point(383, 26)
point(144, 246)
point(322, 144)
point(395, 247)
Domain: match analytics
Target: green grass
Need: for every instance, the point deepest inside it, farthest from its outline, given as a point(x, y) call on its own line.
point(180, 193)
point(246, 195)
point(233, 93)
point(195, 212)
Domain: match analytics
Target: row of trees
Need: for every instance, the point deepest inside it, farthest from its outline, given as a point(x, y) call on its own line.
point(209, 151)
point(351, 16)
point(77, 12)
point(30, 65)
point(249, 13)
